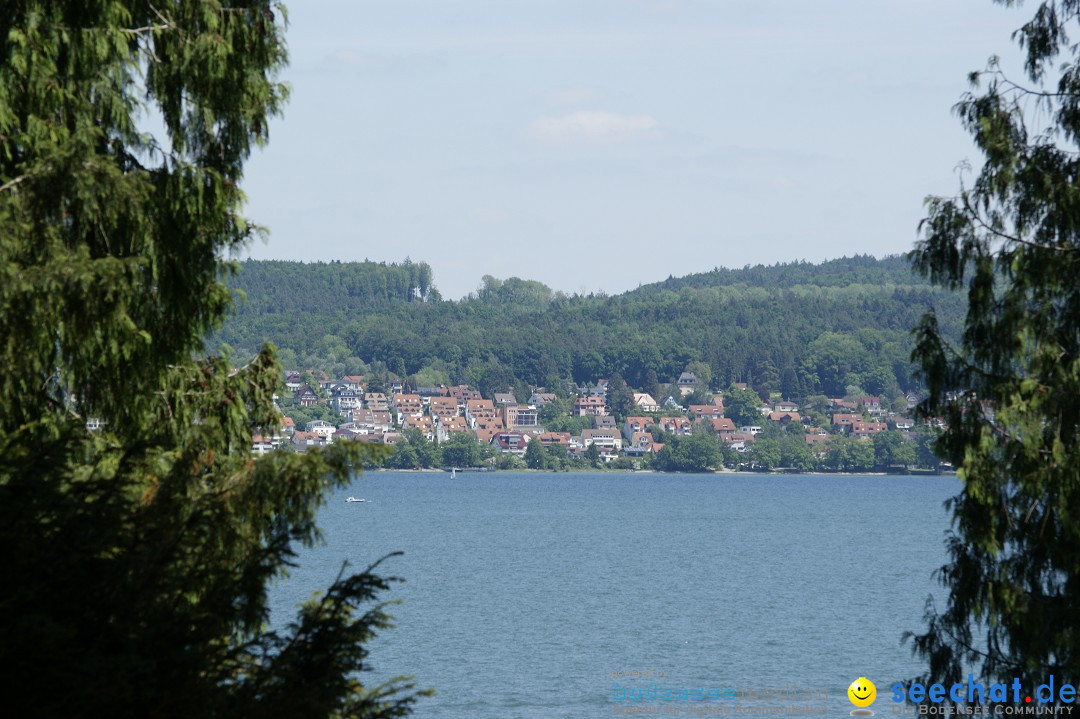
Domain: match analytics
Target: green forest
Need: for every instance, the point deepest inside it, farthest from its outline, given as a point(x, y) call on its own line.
point(798, 328)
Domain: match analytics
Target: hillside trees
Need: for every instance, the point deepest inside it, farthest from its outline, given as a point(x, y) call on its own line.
point(135, 559)
point(1007, 391)
point(734, 330)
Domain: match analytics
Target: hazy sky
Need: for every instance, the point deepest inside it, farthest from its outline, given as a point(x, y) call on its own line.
point(602, 144)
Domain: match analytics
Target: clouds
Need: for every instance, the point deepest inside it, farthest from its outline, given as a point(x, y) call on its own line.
point(592, 126)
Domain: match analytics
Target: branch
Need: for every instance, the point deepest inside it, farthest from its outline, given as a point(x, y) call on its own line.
point(15, 181)
point(977, 218)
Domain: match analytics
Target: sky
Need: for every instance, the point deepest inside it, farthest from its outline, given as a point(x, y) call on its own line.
point(597, 145)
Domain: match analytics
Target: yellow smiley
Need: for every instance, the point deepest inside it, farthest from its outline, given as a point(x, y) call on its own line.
point(862, 692)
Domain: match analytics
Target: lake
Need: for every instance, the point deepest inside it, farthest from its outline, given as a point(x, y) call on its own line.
point(539, 595)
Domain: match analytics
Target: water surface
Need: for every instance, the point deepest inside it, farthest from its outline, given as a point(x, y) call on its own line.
point(525, 592)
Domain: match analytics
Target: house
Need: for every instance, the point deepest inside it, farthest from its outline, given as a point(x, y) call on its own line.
point(845, 420)
point(388, 438)
point(306, 397)
point(366, 421)
point(541, 399)
point(905, 424)
point(641, 443)
point(548, 439)
point(443, 407)
point(463, 394)
point(293, 380)
point(706, 411)
point(504, 398)
point(261, 444)
point(634, 425)
point(645, 402)
point(303, 440)
point(595, 390)
point(352, 382)
point(376, 401)
point(604, 439)
point(604, 421)
point(510, 442)
point(589, 405)
point(320, 427)
point(478, 409)
point(345, 434)
point(408, 405)
point(494, 423)
point(608, 442)
point(288, 425)
point(519, 416)
point(866, 429)
point(739, 441)
point(675, 425)
point(383, 421)
point(424, 424)
point(841, 403)
point(785, 407)
point(484, 436)
point(722, 426)
point(785, 417)
point(751, 429)
point(345, 399)
point(871, 404)
point(446, 426)
point(687, 383)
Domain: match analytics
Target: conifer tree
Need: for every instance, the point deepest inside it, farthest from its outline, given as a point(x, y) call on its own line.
point(1008, 391)
point(134, 558)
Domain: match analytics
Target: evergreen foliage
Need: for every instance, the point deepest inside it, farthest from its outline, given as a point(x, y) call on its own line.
point(1008, 390)
point(797, 328)
point(134, 560)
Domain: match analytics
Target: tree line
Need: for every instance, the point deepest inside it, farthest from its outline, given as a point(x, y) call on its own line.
point(798, 328)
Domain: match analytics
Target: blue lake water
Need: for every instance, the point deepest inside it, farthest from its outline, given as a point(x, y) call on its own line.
point(526, 592)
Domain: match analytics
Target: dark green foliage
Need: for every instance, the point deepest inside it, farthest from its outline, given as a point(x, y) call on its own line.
point(795, 328)
point(536, 456)
point(462, 450)
point(592, 456)
point(134, 560)
point(741, 405)
point(697, 453)
point(272, 287)
point(1008, 392)
point(620, 398)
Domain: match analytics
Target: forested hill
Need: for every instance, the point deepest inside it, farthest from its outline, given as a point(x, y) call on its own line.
point(800, 328)
point(275, 286)
point(843, 272)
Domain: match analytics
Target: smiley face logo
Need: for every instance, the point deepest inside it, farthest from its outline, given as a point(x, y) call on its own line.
point(862, 692)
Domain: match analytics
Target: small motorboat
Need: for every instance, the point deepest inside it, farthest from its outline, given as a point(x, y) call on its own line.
point(355, 499)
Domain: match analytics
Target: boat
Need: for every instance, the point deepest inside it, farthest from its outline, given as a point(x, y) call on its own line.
point(356, 499)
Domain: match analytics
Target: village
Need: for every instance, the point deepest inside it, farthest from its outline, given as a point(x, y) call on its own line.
point(503, 426)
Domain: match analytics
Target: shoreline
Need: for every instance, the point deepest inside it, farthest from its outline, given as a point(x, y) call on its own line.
point(717, 472)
